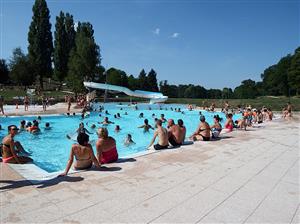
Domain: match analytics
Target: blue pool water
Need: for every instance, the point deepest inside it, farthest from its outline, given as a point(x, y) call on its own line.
point(50, 149)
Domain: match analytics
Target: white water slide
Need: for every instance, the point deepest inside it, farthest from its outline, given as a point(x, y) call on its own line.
point(154, 97)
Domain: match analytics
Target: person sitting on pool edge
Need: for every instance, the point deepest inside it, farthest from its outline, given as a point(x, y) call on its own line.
point(182, 131)
point(146, 126)
point(203, 131)
point(216, 128)
point(228, 126)
point(174, 133)
point(162, 134)
point(83, 153)
point(106, 147)
point(9, 154)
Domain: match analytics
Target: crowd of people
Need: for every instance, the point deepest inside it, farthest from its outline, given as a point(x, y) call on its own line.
point(174, 134)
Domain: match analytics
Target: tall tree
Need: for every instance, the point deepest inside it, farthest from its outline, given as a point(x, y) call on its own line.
point(21, 71)
point(294, 72)
point(61, 55)
point(63, 43)
point(133, 83)
point(70, 33)
point(4, 72)
point(84, 58)
point(152, 81)
point(143, 85)
point(40, 46)
point(247, 90)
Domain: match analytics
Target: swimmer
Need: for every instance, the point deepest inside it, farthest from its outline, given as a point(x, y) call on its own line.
point(153, 115)
point(34, 128)
point(47, 126)
point(146, 126)
point(117, 129)
point(22, 126)
point(141, 115)
point(128, 141)
point(162, 118)
point(106, 121)
point(81, 129)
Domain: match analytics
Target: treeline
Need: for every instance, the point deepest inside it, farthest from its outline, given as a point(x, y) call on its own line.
point(74, 57)
point(281, 79)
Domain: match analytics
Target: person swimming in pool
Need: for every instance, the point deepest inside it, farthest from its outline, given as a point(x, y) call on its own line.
point(128, 141)
point(162, 118)
point(10, 148)
point(117, 129)
point(106, 121)
point(47, 126)
point(146, 126)
point(83, 153)
point(34, 128)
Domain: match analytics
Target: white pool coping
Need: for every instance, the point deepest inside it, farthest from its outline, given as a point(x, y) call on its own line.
point(35, 174)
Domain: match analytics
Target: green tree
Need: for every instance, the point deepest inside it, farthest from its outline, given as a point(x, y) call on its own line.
point(152, 81)
point(143, 84)
point(84, 58)
point(133, 83)
point(40, 46)
point(294, 72)
point(64, 42)
point(4, 72)
point(124, 78)
point(70, 33)
point(247, 90)
point(61, 55)
point(21, 71)
point(227, 93)
point(114, 77)
point(99, 74)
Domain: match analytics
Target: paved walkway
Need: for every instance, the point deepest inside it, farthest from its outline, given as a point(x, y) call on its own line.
point(249, 177)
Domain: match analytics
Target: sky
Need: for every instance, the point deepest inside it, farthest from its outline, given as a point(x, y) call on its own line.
point(215, 44)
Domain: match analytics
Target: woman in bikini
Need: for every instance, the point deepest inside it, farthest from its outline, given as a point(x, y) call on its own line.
point(203, 131)
point(106, 147)
point(9, 154)
point(228, 124)
point(83, 153)
point(216, 128)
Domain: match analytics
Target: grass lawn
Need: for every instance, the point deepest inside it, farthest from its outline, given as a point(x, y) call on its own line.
point(276, 104)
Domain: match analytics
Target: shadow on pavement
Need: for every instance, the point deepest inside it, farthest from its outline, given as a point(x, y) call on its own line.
point(13, 184)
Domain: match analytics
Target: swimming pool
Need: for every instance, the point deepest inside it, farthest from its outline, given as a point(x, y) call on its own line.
point(50, 149)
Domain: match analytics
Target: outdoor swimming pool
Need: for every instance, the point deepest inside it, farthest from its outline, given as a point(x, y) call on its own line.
point(50, 149)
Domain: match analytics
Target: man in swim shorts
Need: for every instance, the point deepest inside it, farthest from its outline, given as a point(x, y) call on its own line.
point(162, 134)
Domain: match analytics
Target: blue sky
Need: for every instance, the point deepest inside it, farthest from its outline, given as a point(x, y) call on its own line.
point(215, 44)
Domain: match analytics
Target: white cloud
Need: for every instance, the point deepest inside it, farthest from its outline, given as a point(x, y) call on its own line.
point(175, 35)
point(156, 31)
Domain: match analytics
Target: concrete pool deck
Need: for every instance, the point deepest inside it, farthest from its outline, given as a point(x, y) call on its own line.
point(247, 177)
